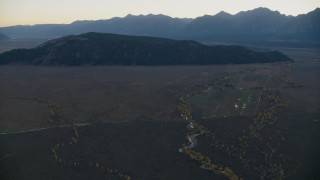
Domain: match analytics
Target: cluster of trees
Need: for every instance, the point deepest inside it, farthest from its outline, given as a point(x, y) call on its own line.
point(246, 70)
point(286, 72)
point(286, 83)
point(267, 116)
point(257, 88)
point(261, 119)
point(55, 115)
point(112, 171)
point(185, 110)
point(54, 151)
point(271, 169)
point(208, 164)
point(290, 84)
point(216, 81)
point(56, 147)
point(74, 140)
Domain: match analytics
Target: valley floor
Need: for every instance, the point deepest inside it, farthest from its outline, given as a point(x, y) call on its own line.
point(256, 121)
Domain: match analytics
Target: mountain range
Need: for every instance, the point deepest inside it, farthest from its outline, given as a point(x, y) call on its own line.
point(260, 24)
point(113, 49)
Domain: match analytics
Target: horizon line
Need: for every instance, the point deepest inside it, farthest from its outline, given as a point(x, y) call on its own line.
point(146, 14)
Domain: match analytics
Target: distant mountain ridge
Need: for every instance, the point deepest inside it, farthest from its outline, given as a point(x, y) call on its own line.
point(257, 24)
point(112, 49)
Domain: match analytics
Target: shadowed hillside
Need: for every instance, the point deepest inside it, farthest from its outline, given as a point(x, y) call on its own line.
point(112, 49)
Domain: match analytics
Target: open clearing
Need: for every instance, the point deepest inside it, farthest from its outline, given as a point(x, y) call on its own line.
point(102, 94)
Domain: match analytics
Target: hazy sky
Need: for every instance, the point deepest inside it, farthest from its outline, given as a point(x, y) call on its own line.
point(13, 12)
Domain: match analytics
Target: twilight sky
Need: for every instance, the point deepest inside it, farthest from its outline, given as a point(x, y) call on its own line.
point(13, 12)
